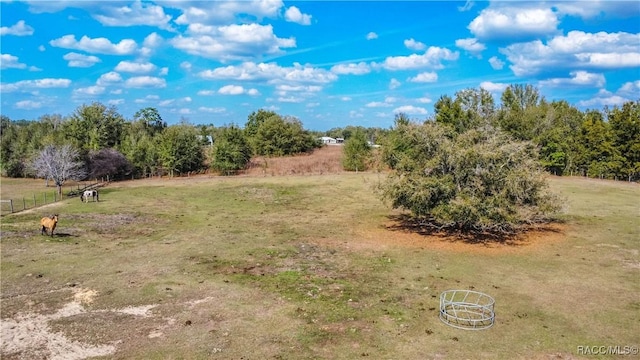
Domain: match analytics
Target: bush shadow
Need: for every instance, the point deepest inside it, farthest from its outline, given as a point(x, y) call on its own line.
point(425, 227)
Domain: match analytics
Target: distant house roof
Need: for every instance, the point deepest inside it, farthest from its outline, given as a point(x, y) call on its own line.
point(328, 140)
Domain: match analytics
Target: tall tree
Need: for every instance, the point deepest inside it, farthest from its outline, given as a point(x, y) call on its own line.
point(255, 120)
point(95, 126)
point(151, 119)
point(556, 134)
point(520, 111)
point(139, 147)
point(59, 164)
point(357, 152)
point(278, 136)
point(625, 128)
point(231, 151)
point(598, 155)
point(449, 112)
point(180, 150)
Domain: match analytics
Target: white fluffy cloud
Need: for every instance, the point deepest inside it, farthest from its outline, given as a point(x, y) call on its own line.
point(394, 84)
point(630, 89)
point(89, 91)
point(410, 110)
point(28, 105)
point(218, 12)
point(578, 78)
point(493, 87)
point(432, 58)
point(372, 36)
point(115, 102)
point(97, 45)
point(135, 67)
point(360, 68)
point(414, 45)
point(150, 43)
point(283, 89)
point(496, 63)
point(272, 73)
point(19, 29)
point(80, 60)
point(425, 77)
point(604, 98)
point(577, 50)
point(138, 13)
point(514, 22)
point(232, 42)
point(46, 83)
point(109, 78)
point(293, 14)
point(237, 90)
point(591, 9)
point(8, 61)
point(145, 82)
point(388, 102)
point(471, 45)
point(215, 110)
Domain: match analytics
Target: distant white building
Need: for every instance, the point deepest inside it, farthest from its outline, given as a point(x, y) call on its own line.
point(331, 141)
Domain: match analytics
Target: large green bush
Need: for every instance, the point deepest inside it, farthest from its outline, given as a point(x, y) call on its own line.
point(478, 181)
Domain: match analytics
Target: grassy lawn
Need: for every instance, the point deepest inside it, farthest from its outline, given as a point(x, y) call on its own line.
point(307, 267)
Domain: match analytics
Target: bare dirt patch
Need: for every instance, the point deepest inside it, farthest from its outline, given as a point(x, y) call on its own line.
point(391, 235)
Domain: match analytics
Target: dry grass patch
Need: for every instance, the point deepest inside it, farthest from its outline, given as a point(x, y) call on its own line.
point(326, 160)
point(311, 267)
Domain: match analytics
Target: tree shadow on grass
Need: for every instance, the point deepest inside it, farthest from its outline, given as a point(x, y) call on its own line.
point(426, 227)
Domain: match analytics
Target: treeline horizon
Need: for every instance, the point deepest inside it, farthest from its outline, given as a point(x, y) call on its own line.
point(595, 143)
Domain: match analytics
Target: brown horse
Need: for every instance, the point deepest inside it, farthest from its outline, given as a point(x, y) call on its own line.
point(48, 223)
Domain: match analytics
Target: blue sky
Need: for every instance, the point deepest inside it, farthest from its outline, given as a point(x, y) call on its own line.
point(330, 64)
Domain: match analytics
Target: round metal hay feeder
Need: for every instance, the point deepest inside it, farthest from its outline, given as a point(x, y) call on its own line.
point(467, 309)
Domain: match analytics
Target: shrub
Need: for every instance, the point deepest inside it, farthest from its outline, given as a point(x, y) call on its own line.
point(478, 181)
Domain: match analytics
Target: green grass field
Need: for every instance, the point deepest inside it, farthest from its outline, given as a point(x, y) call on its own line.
point(308, 267)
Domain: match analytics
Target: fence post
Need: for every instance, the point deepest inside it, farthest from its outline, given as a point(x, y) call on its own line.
point(34, 200)
point(45, 199)
point(24, 204)
point(11, 204)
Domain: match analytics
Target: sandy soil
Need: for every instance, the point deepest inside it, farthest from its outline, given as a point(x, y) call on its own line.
point(29, 335)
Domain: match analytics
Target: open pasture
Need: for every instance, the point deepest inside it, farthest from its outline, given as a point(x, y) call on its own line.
point(308, 267)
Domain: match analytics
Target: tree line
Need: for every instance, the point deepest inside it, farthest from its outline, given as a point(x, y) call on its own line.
point(597, 143)
point(602, 144)
point(99, 142)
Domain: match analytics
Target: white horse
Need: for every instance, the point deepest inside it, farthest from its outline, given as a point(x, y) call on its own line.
point(93, 194)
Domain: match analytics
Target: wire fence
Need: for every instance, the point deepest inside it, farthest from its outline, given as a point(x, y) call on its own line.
point(17, 204)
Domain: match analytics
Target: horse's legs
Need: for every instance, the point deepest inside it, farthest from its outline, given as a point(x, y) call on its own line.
point(43, 231)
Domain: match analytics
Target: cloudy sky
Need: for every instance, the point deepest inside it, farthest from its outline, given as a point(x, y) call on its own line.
point(330, 63)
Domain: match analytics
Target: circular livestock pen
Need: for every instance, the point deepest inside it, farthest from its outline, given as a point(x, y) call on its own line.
point(467, 309)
